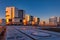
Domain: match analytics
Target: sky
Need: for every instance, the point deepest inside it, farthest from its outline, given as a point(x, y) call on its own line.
point(43, 9)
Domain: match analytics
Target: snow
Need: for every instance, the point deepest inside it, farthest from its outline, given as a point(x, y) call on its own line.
point(41, 34)
point(13, 34)
point(34, 33)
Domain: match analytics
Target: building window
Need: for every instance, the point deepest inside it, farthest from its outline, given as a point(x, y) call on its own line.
point(7, 15)
point(7, 20)
point(10, 20)
point(20, 20)
point(6, 11)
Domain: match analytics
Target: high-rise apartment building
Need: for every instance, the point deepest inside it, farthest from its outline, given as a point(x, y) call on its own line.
point(36, 20)
point(28, 18)
point(13, 15)
point(59, 19)
point(16, 16)
point(53, 20)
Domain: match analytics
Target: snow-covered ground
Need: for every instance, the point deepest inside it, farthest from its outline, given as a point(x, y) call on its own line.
point(13, 33)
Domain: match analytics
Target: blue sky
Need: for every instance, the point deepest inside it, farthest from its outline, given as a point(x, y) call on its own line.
point(40, 8)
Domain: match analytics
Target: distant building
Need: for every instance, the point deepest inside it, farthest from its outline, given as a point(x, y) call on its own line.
point(16, 16)
point(13, 14)
point(31, 19)
point(59, 19)
point(53, 20)
point(36, 20)
point(28, 19)
point(21, 14)
point(42, 23)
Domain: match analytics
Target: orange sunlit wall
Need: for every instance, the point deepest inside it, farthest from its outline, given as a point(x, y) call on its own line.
point(24, 22)
point(9, 13)
point(27, 17)
point(35, 19)
point(42, 23)
point(33, 22)
point(0, 21)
